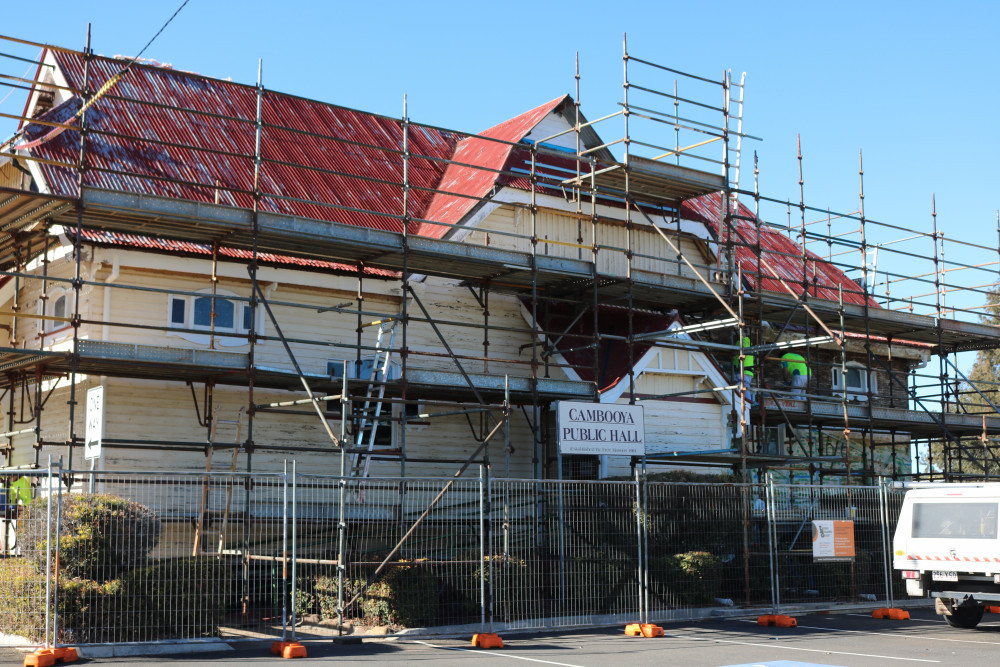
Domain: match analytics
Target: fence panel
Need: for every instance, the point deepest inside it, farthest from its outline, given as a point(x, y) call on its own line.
point(564, 553)
point(155, 557)
point(185, 557)
point(27, 558)
point(707, 546)
point(803, 516)
point(434, 578)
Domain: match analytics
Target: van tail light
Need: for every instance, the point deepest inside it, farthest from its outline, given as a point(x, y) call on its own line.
point(911, 574)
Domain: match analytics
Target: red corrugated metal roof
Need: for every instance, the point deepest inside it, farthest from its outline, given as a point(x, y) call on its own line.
point(780, 252)
point(343, 182)
point(488, 159)
point(134, 241)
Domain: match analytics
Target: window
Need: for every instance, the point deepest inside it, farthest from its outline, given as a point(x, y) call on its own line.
point(974, 521)
point(773, 443)
point(56, 305)
point(195, 312)
point(857, 381)
point(58, 310)
point(335, 369)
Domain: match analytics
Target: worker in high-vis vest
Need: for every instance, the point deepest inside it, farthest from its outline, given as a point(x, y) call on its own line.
point(748, 363)
point(20, 491)
point(797, 370)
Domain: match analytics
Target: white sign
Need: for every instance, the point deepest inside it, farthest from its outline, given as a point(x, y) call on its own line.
point(95, 423)
point(600, 428)
point(833, 541)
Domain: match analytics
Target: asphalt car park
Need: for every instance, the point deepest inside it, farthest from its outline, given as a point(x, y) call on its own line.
point(842, 639)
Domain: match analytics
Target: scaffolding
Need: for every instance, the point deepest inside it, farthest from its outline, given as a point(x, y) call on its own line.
point(865, 308)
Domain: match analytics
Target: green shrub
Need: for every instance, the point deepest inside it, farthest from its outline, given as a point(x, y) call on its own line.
point(689, 578)
point(182, 598)
point(22, 599)
point(403, 595)
point(512, 587)
point(305, 600)
point(101, 536)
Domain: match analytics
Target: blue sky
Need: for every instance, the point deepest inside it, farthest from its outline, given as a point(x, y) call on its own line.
point(912, 84)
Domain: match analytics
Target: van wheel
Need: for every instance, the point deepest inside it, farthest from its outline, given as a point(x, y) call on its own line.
point(965, 617)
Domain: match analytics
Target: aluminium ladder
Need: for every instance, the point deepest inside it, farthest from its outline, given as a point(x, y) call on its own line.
point(371, 413)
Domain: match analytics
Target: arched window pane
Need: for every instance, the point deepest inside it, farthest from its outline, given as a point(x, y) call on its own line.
point(224, 313)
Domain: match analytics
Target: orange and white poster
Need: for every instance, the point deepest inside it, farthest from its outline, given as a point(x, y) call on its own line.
point(833, 541)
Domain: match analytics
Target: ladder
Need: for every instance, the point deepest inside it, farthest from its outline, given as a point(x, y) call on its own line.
point(200, 530)
point(371, 413)
point(738, 116)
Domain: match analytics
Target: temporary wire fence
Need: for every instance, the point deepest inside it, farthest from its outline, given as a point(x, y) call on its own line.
point(97, 557)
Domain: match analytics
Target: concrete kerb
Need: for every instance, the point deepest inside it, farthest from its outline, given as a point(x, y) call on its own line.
point(141, 649)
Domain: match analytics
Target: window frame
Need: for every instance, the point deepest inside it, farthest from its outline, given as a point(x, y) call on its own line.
point(51, 331)
point(196, 332)
point(838, 383)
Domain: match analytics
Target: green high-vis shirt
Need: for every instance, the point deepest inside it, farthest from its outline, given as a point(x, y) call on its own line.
point(20, 491)
point(795, 364)
point(748, 360)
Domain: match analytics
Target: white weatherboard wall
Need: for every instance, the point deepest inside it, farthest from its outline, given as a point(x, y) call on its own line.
point(696, 422)
point(140, 410)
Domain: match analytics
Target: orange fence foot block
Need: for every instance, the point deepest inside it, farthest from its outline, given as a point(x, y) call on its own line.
point(992, 609)
point(893, 613)
point(487, 640)
point(288, 650)
point(44, 657)
point(777, 620)
point(643, 630)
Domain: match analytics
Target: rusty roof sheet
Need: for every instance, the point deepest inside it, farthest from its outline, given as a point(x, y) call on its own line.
point(781, 253)
point(480, 164)
point(142, 142)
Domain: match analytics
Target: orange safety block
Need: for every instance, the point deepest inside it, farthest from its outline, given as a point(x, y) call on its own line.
point(487, 640)
point(778, 620)
point(44, 657)
point(288, 650)
point(643, 630)
point(893, 613)
point(992, 609)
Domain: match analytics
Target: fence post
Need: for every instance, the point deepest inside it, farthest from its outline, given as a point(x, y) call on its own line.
point(772, 539)
point(638, 537)
point(482, 552)
point(883, 498)
point(645, 541)
point(295, 542)
point(284, 552)
point(342, 501)
point(55, 595)
point(48, 557)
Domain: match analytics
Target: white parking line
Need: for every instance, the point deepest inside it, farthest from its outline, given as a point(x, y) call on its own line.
point(892, 634)
point(817, 650)
point(494, 654)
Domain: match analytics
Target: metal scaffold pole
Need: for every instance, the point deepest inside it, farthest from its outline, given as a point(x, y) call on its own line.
point(78, 256)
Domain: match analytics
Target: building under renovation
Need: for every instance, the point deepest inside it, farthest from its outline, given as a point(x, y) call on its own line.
point(254, 277)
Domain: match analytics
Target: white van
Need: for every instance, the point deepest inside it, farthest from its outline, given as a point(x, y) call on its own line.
point(946, 545)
